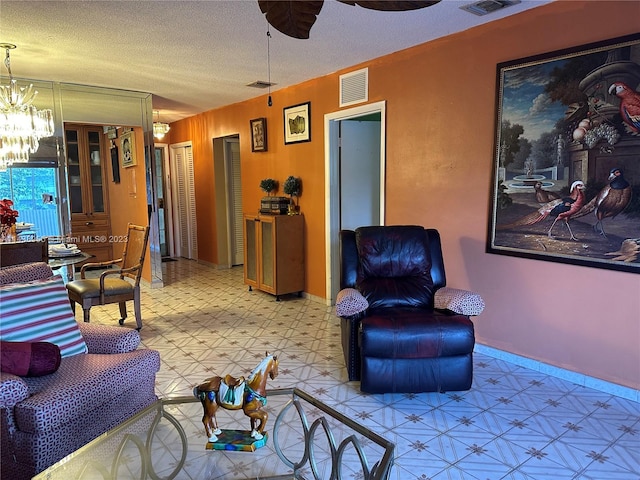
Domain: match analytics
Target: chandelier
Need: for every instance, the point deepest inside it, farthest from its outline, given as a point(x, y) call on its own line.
point(159, 128)
point(22, 125)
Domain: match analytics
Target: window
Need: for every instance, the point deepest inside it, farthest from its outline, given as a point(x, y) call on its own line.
point(30, 187)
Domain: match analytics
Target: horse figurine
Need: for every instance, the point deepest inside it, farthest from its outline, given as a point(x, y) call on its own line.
point(235, 394)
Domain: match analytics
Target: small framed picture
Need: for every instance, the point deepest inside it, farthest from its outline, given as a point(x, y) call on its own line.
point(128, 149)
point(297, 123)
point(258, 134)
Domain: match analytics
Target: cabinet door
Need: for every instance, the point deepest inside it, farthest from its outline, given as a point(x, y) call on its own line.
point(95, 170)
point(72, 141)
point(87, 190)
point(267, 255)
point(251, 250)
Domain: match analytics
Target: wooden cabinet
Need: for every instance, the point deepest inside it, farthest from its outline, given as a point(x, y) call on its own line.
point(88, 194)
point(274, 253)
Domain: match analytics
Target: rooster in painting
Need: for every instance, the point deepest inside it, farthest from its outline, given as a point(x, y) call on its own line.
point(611, 200)
point(561, 209)
point(629, 105)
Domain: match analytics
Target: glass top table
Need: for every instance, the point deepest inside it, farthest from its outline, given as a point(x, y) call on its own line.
point(306, 440)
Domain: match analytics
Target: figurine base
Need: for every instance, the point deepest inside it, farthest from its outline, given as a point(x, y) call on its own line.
point(238, 441)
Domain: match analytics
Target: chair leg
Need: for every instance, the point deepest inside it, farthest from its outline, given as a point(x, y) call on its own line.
point(136, 307)
point(73, 306)
point(123, 312)
point(86, 314)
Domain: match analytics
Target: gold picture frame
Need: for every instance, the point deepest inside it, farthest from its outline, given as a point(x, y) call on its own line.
point(128, 149)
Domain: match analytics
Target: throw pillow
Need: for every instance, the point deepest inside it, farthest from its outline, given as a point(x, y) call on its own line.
point(40, 311)
point(350, 302)
point(29, 359)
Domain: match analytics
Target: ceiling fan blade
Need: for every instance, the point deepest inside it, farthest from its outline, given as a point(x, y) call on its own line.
point(291, 17)
point(392, 5)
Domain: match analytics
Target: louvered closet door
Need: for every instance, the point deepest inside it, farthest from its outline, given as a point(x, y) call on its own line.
point(185, 203)
point(237, 239)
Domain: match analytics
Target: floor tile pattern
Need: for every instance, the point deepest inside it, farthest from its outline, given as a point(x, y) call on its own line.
point(514, 423)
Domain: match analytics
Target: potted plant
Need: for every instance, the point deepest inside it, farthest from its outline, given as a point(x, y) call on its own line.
point(268, 185)
point(293, 188)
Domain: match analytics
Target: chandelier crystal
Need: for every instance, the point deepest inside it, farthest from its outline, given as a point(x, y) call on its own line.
point(160, 129)
point(22, 125)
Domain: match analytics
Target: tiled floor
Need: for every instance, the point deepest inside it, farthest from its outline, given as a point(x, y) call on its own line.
point(514, 423)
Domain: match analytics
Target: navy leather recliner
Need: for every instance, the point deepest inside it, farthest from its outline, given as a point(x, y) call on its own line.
point(401, 343)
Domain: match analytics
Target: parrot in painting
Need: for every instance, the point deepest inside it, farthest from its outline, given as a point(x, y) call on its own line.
point(611, 200)
point(629, 104)
point(561, 209)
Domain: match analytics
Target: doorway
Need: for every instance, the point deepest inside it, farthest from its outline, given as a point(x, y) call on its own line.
point(354, 178)
point(228, 194)
point(163, 194)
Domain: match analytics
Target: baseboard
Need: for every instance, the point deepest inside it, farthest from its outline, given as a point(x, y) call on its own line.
point(577, 378)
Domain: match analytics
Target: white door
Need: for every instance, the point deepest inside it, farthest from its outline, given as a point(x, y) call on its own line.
point(184, 201)
point(363, 158)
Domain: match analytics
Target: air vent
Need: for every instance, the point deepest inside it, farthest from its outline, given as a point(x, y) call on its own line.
point(488, 6)
point(260, 84)
point(354, 87)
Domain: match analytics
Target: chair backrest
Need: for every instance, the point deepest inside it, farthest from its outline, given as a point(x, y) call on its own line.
point(392, 265)
point(15, 253)
point(134, 251)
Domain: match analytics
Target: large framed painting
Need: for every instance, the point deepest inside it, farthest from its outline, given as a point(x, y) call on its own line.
point(566, 183)
point(297, 123)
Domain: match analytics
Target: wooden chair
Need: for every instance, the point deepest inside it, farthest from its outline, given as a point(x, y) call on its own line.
point(104, 290)
point(15, 253)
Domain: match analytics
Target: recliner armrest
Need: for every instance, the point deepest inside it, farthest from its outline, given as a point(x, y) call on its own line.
point(349, 302)
point(109, 339)
point(459, 301)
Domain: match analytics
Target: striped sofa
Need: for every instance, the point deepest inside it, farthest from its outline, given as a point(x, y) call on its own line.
point(102, 379)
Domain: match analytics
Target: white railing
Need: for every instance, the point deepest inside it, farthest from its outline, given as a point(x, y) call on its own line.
point(45, 221)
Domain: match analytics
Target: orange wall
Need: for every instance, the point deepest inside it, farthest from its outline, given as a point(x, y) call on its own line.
point(128, 199)
point(440, 133)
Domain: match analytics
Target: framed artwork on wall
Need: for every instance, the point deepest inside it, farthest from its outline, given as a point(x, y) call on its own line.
point(128, 149)
point(566, 182)
point(297, 123)
point(258, 134)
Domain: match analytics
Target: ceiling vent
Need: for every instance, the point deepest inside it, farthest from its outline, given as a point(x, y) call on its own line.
point(354, 87)
point(260, 84)
point(488, 6)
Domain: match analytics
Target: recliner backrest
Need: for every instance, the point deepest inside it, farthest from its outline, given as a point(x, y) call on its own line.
point(392, 266)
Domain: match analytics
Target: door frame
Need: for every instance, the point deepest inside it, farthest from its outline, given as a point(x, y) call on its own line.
point(167, 196)
point(331, 178)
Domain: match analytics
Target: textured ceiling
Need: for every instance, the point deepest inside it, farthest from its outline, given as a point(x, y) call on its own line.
point(194, 56)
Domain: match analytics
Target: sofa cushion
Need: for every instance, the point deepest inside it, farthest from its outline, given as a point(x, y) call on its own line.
point(29, 359)
point(40, 311)
point(82, 384)
point(25, 272)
